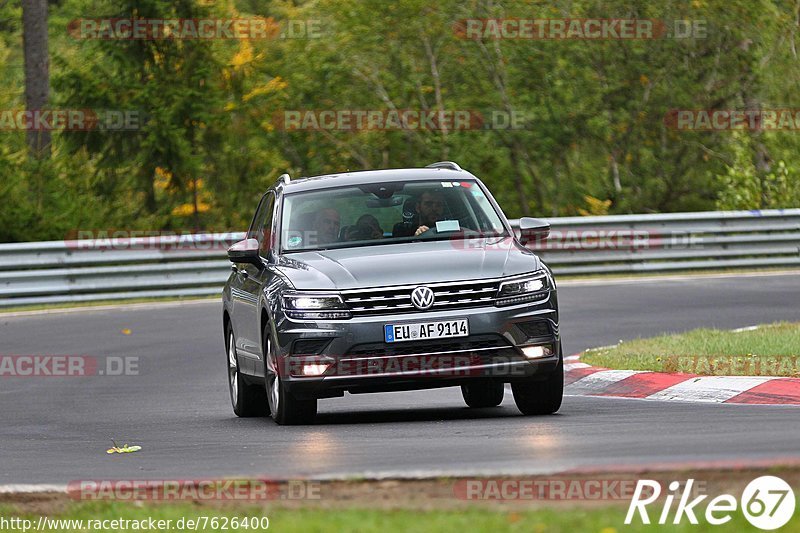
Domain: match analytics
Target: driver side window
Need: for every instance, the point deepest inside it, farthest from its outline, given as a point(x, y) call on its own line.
point(261, 229)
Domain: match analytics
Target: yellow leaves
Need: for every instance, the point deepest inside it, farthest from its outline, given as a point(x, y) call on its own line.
point(274, 85)
point(122, 449)
point(594, 206)
point(242, 61)
point(158, 58)
point(243, 56)
point(189, 208)
point(644, 80)
point(196, 184)
point(185, 210)
point(163, 179)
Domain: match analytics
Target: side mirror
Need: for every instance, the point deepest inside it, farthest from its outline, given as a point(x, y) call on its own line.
point(533, 229)
point(245, 251)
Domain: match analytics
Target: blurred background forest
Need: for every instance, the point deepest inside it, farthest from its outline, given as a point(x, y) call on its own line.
point(596, 141)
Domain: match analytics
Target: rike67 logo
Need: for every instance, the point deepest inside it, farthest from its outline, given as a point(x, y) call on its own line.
point(767, 502)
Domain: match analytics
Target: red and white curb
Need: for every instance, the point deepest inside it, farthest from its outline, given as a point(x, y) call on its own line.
point(581, 379)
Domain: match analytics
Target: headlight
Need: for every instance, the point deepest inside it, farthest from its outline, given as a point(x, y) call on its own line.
point(315, 306)
point(531, 288)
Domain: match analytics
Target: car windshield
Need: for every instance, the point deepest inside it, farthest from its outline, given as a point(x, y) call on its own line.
point(387, 213)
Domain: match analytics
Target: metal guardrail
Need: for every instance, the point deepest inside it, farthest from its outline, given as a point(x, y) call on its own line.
point(196, 265)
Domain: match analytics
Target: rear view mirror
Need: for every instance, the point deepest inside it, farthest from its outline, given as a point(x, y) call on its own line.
point(394, 201)
point(245, 251)
point(533, 229)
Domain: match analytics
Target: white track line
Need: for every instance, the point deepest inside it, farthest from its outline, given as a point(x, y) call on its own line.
point(29, 489)
point(715, 389)
point(603, 378)
point(573, 366)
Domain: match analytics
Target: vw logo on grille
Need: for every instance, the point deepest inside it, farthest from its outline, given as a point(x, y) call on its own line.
point(422, 298)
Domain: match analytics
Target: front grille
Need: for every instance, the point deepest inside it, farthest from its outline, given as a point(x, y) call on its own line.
point(393, 300)
point(490, 343)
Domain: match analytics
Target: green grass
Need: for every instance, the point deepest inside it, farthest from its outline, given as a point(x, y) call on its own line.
point(770, 350)
point(555, 519)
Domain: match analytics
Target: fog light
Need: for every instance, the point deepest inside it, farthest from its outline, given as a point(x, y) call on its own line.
point(314, 369)
point(536, 352)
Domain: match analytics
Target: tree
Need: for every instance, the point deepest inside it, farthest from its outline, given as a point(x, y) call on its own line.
point(37, 70)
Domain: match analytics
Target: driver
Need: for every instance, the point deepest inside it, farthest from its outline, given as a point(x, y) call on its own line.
point(430, 208)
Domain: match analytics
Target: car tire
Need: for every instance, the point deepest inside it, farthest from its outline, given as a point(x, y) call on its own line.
point(483, 393)
point(247, 400)
point(285, 409)
point(541, 396)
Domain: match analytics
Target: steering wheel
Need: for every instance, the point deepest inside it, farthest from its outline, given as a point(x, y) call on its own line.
point(428, 232)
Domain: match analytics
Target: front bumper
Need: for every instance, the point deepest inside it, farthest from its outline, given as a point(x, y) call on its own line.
point(359, 360)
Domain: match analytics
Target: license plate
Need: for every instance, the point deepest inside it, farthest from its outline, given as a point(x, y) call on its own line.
point(426, 330)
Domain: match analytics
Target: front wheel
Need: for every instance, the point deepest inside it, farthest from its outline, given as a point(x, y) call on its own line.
point(247, 400)
point(541, 397)
point(480, 393)
point(284, 407)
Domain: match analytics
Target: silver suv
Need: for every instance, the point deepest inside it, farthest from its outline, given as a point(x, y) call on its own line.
point(388, 280)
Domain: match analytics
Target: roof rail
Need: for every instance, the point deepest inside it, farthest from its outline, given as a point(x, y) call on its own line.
point(284, 178)
point(445, 164)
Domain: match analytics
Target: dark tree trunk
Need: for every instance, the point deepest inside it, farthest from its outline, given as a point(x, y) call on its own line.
point(37, 70)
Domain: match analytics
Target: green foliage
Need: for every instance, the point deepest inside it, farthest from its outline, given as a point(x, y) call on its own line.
point(594, 110)
point(742, 186)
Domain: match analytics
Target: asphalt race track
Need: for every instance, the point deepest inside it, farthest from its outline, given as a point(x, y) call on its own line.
point(57, 429)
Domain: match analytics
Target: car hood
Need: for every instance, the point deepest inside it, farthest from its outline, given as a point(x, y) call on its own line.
point(407, 263)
